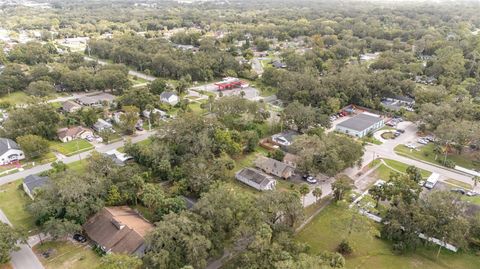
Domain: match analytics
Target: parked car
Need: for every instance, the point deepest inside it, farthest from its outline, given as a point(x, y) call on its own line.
point(79, 238)
point(459, 191)
point(400, 131)
point(90, 138)
point(311, 180)
point(422, 141)
point(411, 146)
point(139, 128)
point(282, 141)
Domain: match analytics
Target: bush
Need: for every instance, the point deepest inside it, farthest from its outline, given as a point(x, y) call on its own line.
point(449, 163)
point(345, 248)
point(399, 247)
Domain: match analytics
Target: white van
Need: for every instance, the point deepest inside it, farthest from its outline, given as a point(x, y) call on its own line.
point(431, 181)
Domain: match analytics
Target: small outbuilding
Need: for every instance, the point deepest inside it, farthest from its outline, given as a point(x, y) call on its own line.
point(256, 179)
point(102, 125)
point(361, 124)
point(32, 183)
point(170, 98)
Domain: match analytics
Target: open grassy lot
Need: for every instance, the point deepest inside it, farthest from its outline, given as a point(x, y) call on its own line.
point(370, 252)
point(65, 254)
point(72, 147)
point(15, 98)
point(195, 107)
point(371, 140)
point(13, 202)
point(383, 172)
point(426, 153)
point(79, 166)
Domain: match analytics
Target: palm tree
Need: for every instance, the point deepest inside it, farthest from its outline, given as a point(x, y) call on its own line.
point(304, 190)
point(437, 150)
point(475, 179)
point(317, 192)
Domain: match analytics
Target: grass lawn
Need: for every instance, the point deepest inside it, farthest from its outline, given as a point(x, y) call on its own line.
point(371, 140)
point(369, 252)
point(136, 80)
point(426, 153)
point(79, 166)
point(383, 172)
point(195, 107)
point(13, 202)
point(15, 98)
point(72, 147)
point(472, 199)
point(65, 254)
point(459, 183)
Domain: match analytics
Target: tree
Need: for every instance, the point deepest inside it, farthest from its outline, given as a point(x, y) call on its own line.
point(152, 196)
point(35, 119)
point(251, 139)
point(158, 86)
point(40, 88)
point(304, 190)
point(341, 186)
point(277, 154)
point(120, 261)
point(106, 135)
point(8, 238)
point(317, 192)
point(60, 228)
point(475, 180)
point(129, 119)
point(299, 115)
point(33, 146)
point(378, 193)
point(137, 97)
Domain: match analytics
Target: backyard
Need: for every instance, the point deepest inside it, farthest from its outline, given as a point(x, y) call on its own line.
point(426, 153)
point(65, 254)
point(370, 252)
point(72, 147)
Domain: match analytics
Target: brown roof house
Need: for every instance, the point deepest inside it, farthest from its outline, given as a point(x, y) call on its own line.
point(118, 229)
point(72, 133)
point(70, 106)
point(274, 167)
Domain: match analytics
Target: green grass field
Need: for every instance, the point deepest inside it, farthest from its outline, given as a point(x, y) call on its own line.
point(66, 254)
point(15, 98)
point(383, 172)
point(71, 147)
point(79, 166)
point(370, 252)
point(13, 202)
point(426, 153)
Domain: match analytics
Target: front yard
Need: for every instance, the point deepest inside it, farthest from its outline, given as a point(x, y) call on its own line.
point(370, 252)
point(65, 254)
point(426, 153)
point(383, 172)
point(72, 147)
point(13, 202)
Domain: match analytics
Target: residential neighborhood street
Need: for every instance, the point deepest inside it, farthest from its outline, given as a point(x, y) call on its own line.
point(24, 258)
point(102, 149)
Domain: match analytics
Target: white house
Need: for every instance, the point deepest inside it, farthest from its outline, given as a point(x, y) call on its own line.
point(101, 125)
point(256, 179)
point(10, 151)
point(169, 98)
point(360, 125)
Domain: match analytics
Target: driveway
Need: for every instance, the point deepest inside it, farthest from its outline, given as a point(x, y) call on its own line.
point(24, 258)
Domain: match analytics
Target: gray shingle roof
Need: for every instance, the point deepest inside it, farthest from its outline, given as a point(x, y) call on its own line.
point(34, 181)
point(6, 144)
point(167, 95)
point(360, 122)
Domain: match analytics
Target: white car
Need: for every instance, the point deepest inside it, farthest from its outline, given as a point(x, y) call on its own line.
point(411, 146)
point(282, 141)
point(311, 180)
point(422, 141)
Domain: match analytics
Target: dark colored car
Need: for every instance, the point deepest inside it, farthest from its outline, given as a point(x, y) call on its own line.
point(401, 131)
point(79, 238)
point(460, 191)
point(139, 128)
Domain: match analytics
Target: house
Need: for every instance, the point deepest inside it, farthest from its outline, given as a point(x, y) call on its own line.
point(117, 157)
point(70, 106)
point(274, 167)
point(32, 183)
point(155, 111)
point(72, 133)
point(118, 229)
point(96, 100)
point(361, 124)
point(256, 179)
point(102, 125)
point(169, 98)
point(291, 159)
point(10, 151)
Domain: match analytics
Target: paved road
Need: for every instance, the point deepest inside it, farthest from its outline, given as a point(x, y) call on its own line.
point(73, 96)
point(257, 66)
point(24, 258)
point(386, 150)
point(41, 168)
point(131, 72)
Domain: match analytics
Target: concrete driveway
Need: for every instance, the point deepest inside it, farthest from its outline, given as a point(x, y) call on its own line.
point(24, 258)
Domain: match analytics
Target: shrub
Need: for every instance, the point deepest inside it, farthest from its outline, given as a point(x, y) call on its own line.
point(345, 248)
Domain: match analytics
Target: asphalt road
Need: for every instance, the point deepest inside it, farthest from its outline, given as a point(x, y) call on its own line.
point(24, 258)
point(41, 168)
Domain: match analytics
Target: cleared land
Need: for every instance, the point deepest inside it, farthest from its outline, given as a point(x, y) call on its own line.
point(72, 147)
point(370, 252)
point(13, 202)
point(65, 254)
